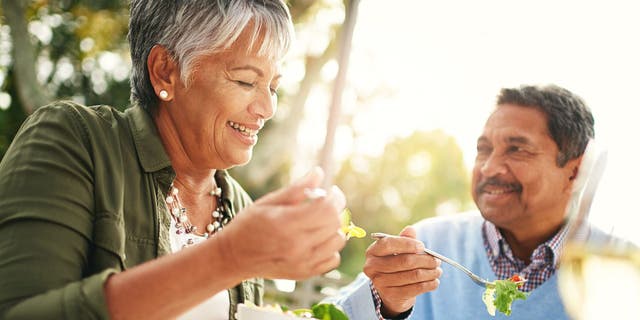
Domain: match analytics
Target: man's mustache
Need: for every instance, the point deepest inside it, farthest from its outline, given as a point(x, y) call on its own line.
point(496, 182)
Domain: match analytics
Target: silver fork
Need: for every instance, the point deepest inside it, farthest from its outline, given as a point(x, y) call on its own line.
point(477, 279)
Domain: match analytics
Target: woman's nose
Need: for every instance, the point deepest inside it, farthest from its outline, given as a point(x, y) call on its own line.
point(265, 105)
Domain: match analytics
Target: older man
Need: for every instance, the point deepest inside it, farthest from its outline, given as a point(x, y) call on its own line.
point(527, 159)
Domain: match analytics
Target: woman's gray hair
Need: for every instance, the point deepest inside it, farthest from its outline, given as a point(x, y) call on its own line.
point(194, 28)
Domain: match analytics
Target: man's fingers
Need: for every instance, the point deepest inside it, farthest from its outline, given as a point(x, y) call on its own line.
point(399, 263)
point(407, 291)
point(408, 232)
point(405, 278)
point(394, 245)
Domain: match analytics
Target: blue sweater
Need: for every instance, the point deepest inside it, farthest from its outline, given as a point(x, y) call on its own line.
point(460, 238)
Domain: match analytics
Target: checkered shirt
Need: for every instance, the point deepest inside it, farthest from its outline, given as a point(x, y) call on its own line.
point(544, 259)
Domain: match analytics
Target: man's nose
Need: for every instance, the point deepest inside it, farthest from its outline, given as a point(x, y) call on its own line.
point(493, 166)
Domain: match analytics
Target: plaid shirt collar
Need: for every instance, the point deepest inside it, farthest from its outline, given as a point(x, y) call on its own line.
point(550, 250)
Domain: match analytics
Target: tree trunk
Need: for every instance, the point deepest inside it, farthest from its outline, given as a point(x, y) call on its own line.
point(326, 156)
point(30, 92)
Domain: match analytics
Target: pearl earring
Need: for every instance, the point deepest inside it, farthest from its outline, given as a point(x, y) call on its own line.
point(164, 94)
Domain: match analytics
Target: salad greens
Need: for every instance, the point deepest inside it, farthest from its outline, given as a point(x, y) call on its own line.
point(322, 311)
point(502, 293)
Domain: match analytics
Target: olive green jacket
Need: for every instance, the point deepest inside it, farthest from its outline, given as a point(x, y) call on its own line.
point(82, 197)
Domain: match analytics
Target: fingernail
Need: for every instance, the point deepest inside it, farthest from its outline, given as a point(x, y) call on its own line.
point(336, 190)
point(315, 193)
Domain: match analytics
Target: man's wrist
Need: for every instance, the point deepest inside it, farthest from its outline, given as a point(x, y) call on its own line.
point(383, 314)
point(389, 315)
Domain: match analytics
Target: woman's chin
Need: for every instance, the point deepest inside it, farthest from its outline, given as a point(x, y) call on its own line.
point(239, 158)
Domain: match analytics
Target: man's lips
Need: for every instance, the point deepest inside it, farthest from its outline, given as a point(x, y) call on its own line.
point(494, 186)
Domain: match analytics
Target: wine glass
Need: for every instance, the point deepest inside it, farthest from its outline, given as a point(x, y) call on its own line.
point(599, 274)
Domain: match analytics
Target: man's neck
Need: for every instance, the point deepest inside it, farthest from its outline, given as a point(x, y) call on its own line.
point(524, 243)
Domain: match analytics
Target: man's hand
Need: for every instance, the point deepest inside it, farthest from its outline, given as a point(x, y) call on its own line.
point(400, 271)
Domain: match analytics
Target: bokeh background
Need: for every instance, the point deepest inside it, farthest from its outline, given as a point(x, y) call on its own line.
point(422, 77)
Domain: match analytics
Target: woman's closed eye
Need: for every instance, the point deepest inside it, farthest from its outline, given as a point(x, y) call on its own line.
point(246, 84)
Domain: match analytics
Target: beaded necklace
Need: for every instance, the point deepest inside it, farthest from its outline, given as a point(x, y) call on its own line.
point(184, 228)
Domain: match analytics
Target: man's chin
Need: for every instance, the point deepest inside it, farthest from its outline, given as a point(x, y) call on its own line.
point(494, 214)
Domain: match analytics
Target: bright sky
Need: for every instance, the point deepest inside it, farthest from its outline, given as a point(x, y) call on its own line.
point(443, 62)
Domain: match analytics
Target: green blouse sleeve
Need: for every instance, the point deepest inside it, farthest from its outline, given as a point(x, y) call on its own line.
point(46, 221)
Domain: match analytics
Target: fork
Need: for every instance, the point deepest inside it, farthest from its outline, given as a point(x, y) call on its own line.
point(477, 279)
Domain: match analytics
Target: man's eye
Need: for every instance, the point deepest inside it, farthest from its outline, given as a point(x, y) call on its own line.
point(514, 149)
point(274, 92)
point(483, 150)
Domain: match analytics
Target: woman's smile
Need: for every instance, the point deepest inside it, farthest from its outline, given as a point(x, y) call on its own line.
point(247, 134)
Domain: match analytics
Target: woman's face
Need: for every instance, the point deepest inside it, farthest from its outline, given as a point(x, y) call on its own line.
point(229, 98)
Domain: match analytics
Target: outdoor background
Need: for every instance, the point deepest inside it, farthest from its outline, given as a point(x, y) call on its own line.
point(422, 77)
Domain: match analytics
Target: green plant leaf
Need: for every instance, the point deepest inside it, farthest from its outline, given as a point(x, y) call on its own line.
point(327, 311)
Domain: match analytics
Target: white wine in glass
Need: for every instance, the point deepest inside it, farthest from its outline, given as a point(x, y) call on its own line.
point(599, 274)
point(600, 283)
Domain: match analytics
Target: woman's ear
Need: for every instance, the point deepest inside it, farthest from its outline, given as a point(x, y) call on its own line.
point(163, 72)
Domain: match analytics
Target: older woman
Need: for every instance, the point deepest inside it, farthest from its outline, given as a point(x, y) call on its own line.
point(132, 215)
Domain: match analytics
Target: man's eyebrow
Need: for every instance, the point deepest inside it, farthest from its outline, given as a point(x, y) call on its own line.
point(254, 69)
point(518, 140)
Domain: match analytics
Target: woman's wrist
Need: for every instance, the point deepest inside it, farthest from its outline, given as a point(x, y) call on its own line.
point(221, 251)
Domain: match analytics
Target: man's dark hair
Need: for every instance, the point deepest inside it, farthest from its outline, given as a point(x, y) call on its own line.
point(569, 120)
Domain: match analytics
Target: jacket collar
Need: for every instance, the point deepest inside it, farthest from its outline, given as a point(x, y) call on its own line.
point(149, 148)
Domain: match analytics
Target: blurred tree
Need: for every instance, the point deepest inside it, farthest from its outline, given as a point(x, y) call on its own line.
point(416, 177)
point(61, 50)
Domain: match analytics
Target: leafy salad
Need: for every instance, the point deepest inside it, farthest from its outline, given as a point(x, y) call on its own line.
point(502, 293)
point(322, 311)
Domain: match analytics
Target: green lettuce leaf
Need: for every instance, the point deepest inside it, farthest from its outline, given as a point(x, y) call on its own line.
point(501, 296)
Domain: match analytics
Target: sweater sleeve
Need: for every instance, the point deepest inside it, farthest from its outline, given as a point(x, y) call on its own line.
point(46, 222)
point(356, 299)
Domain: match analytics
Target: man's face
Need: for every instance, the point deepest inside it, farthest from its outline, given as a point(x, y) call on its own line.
point(516, 182)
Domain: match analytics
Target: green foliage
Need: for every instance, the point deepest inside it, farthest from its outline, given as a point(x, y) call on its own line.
point(82, 54)
point(414, 178)
point(327, 311)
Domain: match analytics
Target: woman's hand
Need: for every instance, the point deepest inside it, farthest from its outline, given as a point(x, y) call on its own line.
point(286, 235)
point(400, 271)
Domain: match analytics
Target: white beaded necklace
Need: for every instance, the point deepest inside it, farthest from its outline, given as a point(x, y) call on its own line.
point(184, 228)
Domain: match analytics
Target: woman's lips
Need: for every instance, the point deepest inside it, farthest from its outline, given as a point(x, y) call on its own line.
point(243, 129)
